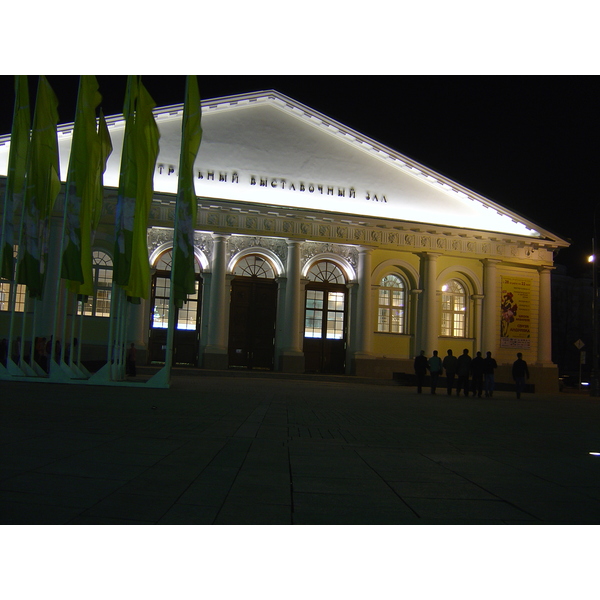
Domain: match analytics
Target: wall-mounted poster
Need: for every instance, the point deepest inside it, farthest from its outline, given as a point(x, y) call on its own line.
point(515, 311)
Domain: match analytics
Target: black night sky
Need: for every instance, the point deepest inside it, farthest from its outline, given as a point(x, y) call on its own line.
point(526, 142)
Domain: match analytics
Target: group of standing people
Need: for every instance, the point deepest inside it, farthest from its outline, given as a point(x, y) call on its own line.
point(479, 370)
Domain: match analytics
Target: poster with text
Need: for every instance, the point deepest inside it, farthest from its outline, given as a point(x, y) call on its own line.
point(515, 311)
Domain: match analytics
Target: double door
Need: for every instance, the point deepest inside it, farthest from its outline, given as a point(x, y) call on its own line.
point(252, 318)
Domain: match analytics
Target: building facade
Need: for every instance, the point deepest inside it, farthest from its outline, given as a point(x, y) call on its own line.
point(321, 250)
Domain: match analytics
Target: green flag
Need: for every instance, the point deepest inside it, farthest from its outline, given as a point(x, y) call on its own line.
point(105, 149)
point(43, 185)
point(17, 167)
point(183, 274)
point(81, 188)
point(145, 147)
point(125, 210)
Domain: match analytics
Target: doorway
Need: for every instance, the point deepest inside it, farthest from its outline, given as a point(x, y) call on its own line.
point(325, 316)
point(253, 314)
point(186, 338)
point(252, 319)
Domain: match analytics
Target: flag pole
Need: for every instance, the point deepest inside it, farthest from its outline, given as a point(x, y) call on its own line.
point(20, 81)
point(163, 377)
point(62, 299)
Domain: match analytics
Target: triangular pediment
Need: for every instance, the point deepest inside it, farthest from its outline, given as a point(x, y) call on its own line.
point(265, 148)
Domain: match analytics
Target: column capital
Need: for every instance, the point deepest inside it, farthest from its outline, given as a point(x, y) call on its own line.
point(431, 256)
point(492, 262)
point(220, 236)
point(365, 249)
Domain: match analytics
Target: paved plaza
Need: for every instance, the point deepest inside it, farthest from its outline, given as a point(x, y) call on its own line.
point(231, 448)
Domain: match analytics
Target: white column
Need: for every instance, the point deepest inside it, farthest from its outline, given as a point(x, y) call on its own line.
point(430, 316)
point(545, 318)
point(215, 352)
point(491, 306)
point(293, 356)
point(53, 294)
point(414, 321)
point(477, 298)
point(364, 314)
point(137, 328)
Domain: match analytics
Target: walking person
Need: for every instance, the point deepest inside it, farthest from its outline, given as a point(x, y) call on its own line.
point(463, 371)
point(435, 369)
point(477, 375)
point(450, 364)
point(520, 373)
point(489, 364)
point(420, 366)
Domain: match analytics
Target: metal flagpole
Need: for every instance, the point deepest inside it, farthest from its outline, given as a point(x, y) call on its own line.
point(164, 375)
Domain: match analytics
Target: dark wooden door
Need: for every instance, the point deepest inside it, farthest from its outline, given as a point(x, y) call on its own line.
point(252, 318)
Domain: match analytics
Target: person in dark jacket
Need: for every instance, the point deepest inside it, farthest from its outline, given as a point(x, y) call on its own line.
point(420, 370)
point(520, 374)
point(463, 371)
point(435, 369)
point(477, 375)
point(450, 364)
point(489, 364)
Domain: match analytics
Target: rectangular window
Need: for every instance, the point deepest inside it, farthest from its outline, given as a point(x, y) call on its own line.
point(459, 325)
point(6, 290)
point(4, 296)
point(103, 302)
point(160, 318)
point(335, 315)
point(390, 317)
point(313, 325)
point(186, 317)
point(397, 318)
point(398, 298)
point(335, 326)
point(383, 319)
point(447, 324)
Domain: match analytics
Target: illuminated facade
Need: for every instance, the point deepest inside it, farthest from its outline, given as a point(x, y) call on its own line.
point(321, 250)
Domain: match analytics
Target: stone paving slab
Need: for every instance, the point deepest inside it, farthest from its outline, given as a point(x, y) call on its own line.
point(286, 451)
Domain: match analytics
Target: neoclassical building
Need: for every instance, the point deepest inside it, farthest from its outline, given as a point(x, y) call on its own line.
point(319, 249)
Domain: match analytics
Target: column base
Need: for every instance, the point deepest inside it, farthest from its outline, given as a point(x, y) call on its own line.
point(291, 362)
point(364, 365)
point(215, 358)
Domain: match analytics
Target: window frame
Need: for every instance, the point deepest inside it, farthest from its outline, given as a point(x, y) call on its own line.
point(454, 320)
point(325, 302)
point(105, 286)
point(389, 306)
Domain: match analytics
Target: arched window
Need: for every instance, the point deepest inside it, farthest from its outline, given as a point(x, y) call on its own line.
point(326, 271)
point(325, 305)
point(254, 266)
point(454, 309)
point(98, 305)
point(392, 297)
